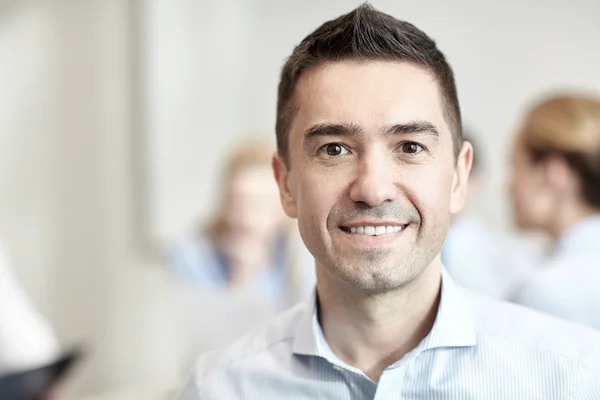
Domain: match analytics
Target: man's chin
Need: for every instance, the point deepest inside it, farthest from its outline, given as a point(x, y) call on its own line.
point(378, 280)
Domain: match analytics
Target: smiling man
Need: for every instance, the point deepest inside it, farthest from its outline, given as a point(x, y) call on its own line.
point(372, 163)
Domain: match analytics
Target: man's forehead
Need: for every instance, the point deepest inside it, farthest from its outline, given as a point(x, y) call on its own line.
point(378, 92)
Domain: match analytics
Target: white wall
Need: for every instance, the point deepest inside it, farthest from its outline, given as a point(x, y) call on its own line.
point(26, 165)
point(194, 104)
point(67, 133)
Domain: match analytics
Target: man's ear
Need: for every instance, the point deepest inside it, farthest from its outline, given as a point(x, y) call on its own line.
point(460, 182)
point(283, 178)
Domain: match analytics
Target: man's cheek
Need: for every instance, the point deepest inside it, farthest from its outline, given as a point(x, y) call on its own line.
point(432, 190)
point(434, 197)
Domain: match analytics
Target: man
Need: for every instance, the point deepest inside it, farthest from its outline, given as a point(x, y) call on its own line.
point(372, 163)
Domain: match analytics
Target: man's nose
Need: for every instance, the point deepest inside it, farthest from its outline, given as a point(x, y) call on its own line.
point(374, 183)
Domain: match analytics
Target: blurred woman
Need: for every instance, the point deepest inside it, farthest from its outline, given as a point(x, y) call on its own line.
point(556, 189)
point(250, 245)
point(477, 256)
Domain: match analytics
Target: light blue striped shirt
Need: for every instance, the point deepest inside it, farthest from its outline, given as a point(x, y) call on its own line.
point(478, 348)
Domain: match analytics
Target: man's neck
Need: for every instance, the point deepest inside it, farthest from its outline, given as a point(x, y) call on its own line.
point(372, 331)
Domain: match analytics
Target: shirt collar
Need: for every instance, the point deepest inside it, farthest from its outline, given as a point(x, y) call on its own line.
point(453, 326)
point(305, 336)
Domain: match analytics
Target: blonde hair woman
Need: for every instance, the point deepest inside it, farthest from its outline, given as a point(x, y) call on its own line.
point(556, 189)
point(249, 245)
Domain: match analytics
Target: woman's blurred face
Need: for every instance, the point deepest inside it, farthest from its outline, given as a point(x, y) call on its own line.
point(252, 204)
point(533, 201)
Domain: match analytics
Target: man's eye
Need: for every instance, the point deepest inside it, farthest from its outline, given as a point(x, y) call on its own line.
point(411, 148)
point(334, 150)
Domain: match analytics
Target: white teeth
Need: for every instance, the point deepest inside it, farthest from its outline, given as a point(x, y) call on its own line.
point(375, 230)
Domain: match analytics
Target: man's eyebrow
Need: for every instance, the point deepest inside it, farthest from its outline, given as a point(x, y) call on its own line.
point(333, 130)
point(424, 127)
point(405, 128)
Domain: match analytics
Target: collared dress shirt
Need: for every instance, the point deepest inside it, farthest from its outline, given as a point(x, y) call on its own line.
point(478, 348)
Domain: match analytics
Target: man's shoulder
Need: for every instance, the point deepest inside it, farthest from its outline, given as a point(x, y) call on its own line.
point(528, 329)
point(259, 343)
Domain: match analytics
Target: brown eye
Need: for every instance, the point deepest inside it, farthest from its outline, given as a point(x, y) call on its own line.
point(411, 148)
point(334, 150)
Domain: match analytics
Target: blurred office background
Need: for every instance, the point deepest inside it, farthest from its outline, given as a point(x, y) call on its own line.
point(116, 115)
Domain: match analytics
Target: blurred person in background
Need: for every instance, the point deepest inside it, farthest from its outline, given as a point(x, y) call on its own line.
point(250, 245)
point(556, 189)
point(27, 342)
point(26, 338)
point(476, 255)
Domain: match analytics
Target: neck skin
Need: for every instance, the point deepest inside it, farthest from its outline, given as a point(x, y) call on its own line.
point(569, 215)
point(372, 331)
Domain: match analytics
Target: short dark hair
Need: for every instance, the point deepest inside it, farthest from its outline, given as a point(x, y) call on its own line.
point(365, 34)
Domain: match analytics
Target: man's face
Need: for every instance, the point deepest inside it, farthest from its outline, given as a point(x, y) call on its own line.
point(372, 177)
